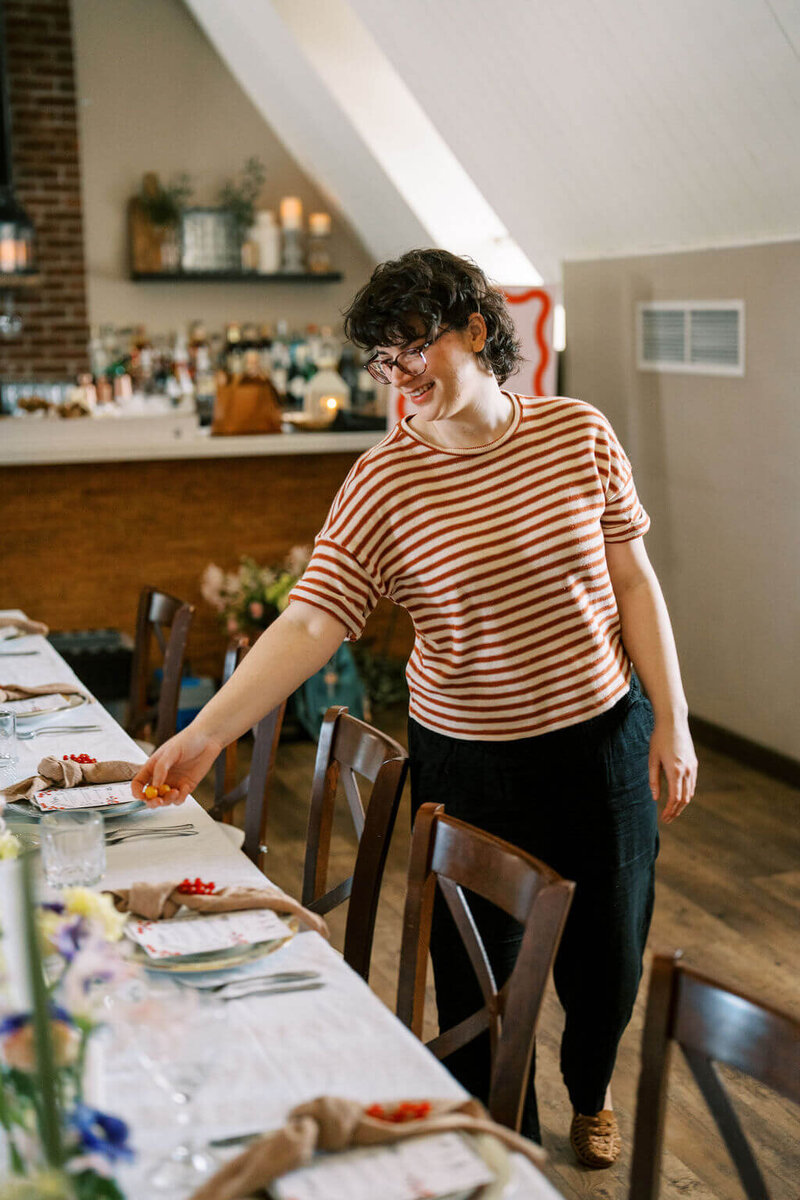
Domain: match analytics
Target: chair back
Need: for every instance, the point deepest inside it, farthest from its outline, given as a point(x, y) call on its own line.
point(254, 788)
point(164, 620)
point(712, 1024)
point(452, 855)
point(348, 748)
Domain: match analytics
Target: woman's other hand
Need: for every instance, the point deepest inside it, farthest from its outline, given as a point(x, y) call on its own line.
point(672, 751)
point(179, 764)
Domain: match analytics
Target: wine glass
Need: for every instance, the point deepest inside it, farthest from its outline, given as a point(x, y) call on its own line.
point(174, 1038)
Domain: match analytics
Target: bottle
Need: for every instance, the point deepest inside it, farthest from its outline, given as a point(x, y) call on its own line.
point(233, 351)
point(327, 392)
point(281, 358)
point(198, 339)
point(141, 360)
point(182, 389)
point(205, 384)
point(265, 348)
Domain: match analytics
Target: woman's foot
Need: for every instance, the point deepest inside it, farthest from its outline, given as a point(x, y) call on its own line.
point(595, 1139)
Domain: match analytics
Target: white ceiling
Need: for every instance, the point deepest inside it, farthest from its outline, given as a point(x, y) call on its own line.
point(590, 127)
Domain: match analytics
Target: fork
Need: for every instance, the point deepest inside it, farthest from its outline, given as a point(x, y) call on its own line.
point(26, 734)
point(247, 981)
point(144, 831)
point(118, 839)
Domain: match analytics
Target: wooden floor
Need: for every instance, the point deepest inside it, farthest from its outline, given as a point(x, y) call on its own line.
point(728, 895)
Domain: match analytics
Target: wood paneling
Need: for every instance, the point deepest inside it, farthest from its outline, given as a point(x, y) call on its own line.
point(80, 541)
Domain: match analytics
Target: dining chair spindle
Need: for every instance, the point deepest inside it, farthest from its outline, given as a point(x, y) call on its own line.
point(451, 855)
point(348, 748)
point(164, 620)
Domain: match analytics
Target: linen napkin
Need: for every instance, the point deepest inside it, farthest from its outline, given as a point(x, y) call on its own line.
point(332, 1123)
point(19, 691)
point(64, 773)
point(155, 901)
point(24, 625)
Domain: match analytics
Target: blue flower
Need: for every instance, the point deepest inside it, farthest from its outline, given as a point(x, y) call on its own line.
point(70, 937)
point(15, 1021)
point(101, 1133)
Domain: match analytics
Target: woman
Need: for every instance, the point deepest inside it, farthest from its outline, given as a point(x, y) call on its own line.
point(510, 529)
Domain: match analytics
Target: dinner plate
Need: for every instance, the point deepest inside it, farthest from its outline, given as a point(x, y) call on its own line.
point(74, 700)
point(24, 808)
point(215, 960)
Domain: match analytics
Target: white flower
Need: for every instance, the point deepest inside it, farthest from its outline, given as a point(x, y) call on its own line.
point(212, 586)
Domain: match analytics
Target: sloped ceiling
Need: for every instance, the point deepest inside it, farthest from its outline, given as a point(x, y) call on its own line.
point(591, 128)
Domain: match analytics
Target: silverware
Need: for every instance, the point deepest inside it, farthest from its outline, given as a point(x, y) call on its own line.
point(138, 830)
point(117, 839)
point(26, 734)
point(248, 980)
point(266, 989)
point(17, 653)
point(238, 1139)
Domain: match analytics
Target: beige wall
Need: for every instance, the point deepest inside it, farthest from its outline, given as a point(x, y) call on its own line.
point(154, 95)
point(717, 464)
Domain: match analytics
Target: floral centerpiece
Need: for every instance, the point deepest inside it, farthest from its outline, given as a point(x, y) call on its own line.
point(57, 1144)
point(253, 596)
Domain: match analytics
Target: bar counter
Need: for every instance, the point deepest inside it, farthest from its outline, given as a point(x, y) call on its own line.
point(88, 523)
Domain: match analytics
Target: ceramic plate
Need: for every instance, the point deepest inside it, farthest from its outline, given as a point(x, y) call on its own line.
point(71, 701)
point(23, 809)
point(215, 960)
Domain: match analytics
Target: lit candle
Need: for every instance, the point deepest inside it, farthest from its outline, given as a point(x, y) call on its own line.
point(291, 212)
point(319, 223)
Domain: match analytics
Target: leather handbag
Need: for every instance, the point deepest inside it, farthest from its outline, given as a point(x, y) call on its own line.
point(250, 406)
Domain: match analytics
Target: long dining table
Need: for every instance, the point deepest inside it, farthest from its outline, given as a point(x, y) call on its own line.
point(273, 1051)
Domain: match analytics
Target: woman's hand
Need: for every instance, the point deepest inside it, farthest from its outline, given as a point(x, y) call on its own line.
point(672, 751)
point(180, 764)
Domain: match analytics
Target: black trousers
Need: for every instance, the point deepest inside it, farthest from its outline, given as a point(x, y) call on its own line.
point(579, 800)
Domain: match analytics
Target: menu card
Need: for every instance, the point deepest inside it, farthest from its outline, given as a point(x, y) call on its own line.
point(203, 934)
point(416, 1169)
point(36, 704)
point(95, 796)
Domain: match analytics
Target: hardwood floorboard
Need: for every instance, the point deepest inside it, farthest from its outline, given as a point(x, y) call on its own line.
point(728, 894)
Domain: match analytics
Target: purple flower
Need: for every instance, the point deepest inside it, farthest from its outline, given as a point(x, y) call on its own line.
point(19, 1020)
point(99, 1132)
point(69, 938)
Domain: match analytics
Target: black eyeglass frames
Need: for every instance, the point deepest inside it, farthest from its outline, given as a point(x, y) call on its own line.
point(411, 362)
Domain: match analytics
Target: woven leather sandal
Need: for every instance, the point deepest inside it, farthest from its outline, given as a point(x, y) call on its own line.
point(596, 1140)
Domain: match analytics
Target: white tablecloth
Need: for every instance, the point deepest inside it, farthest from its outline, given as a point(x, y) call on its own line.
point(274, 1051)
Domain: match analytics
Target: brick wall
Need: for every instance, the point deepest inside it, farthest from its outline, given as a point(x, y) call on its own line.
point(54, 337)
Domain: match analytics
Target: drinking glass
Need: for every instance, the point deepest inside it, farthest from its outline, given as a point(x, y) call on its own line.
point(175, 1039)
point(73, 848)
point(8, 738)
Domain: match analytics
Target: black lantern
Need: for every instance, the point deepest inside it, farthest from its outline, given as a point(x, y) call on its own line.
point(16, 227)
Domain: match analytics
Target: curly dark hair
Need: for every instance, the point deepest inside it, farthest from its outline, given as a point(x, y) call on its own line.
point(439, 289)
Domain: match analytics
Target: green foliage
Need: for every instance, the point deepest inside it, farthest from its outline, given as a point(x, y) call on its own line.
point(88, 1185)
point(239, 196)
point(164, 206)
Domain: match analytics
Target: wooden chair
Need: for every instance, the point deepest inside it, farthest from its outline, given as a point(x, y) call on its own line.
point(348, 747)
point(453, 855)
point(712, 1024)
point(166, 620)
point(254, 788)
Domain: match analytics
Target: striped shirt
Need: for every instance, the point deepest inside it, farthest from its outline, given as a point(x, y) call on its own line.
point(497, 552)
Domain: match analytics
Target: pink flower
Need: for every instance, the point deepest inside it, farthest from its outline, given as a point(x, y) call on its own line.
point(256, 610)
point(232, 625)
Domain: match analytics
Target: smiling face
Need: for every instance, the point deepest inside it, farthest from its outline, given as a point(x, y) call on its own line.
point(453, 375)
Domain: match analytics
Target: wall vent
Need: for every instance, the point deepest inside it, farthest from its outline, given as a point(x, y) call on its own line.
point(698, 338)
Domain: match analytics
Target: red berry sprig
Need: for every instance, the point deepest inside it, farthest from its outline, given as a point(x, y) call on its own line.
point(408, 1110)
point(196, 887)
point(79, 758)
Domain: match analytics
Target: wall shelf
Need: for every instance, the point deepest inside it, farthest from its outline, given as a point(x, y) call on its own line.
point(231, 277)
point(19, 280)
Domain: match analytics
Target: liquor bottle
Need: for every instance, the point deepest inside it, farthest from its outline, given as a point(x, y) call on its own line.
point(234, 359)
point(205, 384)
point(198, 339)
point(265, 348)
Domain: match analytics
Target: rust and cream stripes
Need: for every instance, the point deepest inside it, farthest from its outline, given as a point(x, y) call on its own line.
point(498, 554)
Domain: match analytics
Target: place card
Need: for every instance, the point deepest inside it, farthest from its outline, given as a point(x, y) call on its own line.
point(36, 705)
point(416, 1169)
point(93, 796)
point(201, 935)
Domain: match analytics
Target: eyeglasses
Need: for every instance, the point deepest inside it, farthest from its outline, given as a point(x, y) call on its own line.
point(411, 362)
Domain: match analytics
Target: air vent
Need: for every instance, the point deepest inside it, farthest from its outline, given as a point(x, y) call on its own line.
point(697, 338)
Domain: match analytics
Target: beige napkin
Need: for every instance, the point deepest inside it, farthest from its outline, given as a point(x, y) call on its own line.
point(156, 900)
point(59, 773)
point(18, 691)
point(330, 1123)
point(24, 625)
